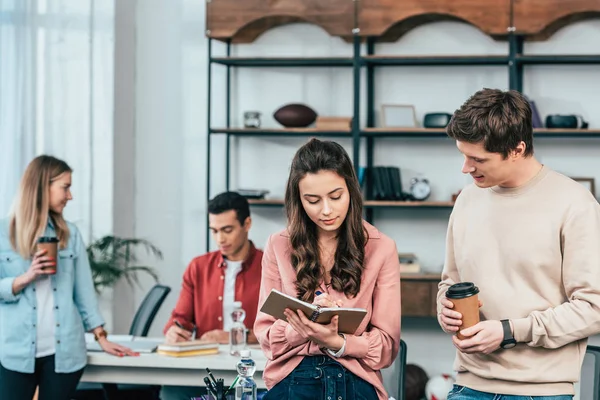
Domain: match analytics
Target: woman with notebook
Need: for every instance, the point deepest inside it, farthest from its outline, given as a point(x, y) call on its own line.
point(47, 297)
point(330, 257)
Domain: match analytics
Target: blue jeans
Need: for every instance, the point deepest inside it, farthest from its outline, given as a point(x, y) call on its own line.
point(321, 378)
point(464, 393)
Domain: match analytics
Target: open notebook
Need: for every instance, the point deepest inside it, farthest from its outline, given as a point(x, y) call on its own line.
point(349, 318)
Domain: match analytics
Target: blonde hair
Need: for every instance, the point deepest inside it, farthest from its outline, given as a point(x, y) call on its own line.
point(32, 207)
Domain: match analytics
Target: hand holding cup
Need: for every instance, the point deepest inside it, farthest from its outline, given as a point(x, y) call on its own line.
point(41, 265)
point(460, 308)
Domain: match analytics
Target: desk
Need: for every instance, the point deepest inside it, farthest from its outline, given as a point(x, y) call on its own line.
point(154, 369)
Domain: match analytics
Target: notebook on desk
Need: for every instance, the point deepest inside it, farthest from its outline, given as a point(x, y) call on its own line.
point(349, 318)
point(197, 347)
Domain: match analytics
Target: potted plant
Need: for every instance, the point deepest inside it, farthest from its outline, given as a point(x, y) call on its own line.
point(113, 258)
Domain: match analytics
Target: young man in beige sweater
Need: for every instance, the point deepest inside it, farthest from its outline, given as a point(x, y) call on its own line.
point(529, 239)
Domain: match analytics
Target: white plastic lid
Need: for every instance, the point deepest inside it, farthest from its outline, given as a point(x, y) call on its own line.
point(245, 353)
point(237, 304)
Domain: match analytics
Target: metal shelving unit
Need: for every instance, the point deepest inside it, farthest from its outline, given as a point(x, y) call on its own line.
point(515, 61)
point(229, 62)
point(290, 132)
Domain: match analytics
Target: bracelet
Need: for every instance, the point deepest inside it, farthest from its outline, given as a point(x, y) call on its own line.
point(341, 351)
point(101, 334)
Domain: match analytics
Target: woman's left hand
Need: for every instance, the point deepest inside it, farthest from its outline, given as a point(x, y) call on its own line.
point(323, 335)
point(116, 349)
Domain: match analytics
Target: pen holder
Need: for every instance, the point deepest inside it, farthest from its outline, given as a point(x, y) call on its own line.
point(230, 396)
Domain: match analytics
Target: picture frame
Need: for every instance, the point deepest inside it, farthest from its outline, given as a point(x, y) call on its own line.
point(587, 182)
point(398, 116)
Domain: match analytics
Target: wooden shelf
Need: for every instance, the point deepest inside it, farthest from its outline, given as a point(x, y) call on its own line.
point(566, 133)
point(282, 132)
point(404, 132)
point(408, 60)
point(265, 203)
point(540, 19)
point(549, 59)
point(480, 60)
point(419, 294)
point(440, 132)
point(420, 277)
point(367, 204)
point(244, 21)
point(432, 60)
point(284, 61)
point(413, 204)
point(388, 20)
point(389, 132)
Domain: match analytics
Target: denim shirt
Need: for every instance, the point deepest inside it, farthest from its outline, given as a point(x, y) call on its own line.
point(75, 306)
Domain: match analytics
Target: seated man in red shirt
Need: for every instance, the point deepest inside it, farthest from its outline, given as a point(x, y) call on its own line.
point(213, 281)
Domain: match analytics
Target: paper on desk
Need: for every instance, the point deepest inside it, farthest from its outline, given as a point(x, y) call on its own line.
point(89, 338)
point(135, 343)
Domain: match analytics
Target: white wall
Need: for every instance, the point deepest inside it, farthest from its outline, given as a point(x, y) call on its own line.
point(170, 135)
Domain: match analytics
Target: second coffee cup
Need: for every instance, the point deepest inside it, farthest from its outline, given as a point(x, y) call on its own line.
point(466, 301)
point(50, 244)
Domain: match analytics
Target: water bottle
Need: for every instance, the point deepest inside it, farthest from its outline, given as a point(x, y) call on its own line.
point(245, 387)
point(237, 334)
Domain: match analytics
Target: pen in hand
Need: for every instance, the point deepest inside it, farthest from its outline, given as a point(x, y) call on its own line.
point(337, 303)
point(178, 324)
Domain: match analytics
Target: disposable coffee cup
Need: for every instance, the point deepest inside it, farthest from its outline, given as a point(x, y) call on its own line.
point(50, 244)
point(466, 301)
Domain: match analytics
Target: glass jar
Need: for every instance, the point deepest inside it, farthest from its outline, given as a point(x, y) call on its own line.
point(252, 119)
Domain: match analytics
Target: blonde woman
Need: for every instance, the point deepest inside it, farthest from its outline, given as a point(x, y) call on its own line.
point(44, 314)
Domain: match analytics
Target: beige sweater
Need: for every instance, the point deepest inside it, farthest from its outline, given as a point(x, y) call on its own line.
point(534, 253)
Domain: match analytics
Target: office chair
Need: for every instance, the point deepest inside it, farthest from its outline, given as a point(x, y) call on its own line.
point(142, 321)
point(590, 374)
point(146, 312)
point(402, 377)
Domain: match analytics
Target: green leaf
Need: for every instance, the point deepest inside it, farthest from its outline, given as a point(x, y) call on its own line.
point(111, 259)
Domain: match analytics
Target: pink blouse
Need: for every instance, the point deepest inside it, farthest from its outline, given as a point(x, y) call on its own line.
point(374, 345)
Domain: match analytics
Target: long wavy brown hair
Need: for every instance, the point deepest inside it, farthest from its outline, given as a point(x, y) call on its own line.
point(346, 274)
point(32, 207)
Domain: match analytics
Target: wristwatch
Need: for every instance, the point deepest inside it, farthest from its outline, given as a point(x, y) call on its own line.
point(100, 334)
point(509, 340)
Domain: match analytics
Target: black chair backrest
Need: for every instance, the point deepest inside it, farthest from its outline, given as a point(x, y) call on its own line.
point(590, 374)
point(147, 311)
point(402, 377)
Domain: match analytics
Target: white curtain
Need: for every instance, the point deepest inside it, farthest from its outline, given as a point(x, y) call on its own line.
point(56, 97)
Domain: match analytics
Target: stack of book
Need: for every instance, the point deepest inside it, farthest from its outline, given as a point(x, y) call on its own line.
point(190, 348)
point(409, 264)
point(387, 184)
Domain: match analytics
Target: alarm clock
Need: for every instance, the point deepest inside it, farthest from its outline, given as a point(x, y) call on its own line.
point(419, 188)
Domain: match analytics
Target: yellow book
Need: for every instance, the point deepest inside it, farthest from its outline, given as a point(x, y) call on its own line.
point(188, 353)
